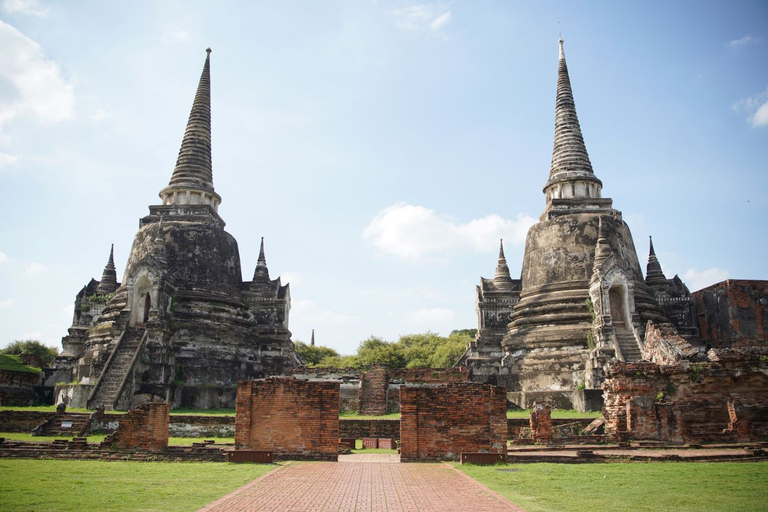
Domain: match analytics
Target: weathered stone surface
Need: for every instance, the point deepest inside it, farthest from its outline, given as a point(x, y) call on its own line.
point(183, 326)
point(663, 345)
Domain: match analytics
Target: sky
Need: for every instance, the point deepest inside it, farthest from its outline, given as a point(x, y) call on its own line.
point(381, 148)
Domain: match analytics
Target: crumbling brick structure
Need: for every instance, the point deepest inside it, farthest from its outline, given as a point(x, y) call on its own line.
point(295, 419)
point(733, 313)
point(441, 422)
point(379, 386)
point(145, 427)
point(722, 399)
point(541, 423)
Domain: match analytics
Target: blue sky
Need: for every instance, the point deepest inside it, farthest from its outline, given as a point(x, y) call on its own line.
point(381, 147)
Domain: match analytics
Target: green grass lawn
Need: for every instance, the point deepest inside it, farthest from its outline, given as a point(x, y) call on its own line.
point(556, 413)
point(354, 415)
point(58, 485)
point(15, 364)
point(674, 486)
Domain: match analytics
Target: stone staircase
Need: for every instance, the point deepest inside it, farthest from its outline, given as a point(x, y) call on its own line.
point(64, 424)
point(628, 345)
point(118, 366)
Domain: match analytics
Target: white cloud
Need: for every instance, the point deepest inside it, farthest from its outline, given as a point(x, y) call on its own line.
point(760, 117)
point(743, 41)
point(98, 115)
point(311, 313)
point(440, 21)
point(31, 7)
point(4, 303)
point(6, 159)
point(35, 269)
point(419, 234)
point(422, 17)
point(177, 36)
point(756, 107)
point(696, 280)
point(431, 316)
point(291, 277)
point(4, 258)
point(31, 84)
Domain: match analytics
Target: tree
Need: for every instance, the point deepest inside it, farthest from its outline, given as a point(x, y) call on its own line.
point(376, 350)
point(312, 355)
point(34, 347)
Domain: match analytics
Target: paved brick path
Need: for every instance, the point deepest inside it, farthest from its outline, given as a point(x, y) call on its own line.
point(358, 486)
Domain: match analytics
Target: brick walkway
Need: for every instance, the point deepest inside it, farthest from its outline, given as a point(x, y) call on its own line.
point(363, 486)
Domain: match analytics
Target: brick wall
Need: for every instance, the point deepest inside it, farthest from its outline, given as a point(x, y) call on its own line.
point(689, 402)
point(441, 422)
point(295, 419)
point(360, 428)
point(12, 378)
point(145, 427)
point(733, 313)
point(22, 421)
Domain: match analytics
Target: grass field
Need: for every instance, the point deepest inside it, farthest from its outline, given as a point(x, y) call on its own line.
point(661, 486)
point(57, 485)
point(556, 413)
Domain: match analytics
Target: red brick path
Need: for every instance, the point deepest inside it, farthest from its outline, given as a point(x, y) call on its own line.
point(348, 486)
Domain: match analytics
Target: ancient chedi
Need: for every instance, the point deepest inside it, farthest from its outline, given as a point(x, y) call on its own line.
point(582, 300)
point(183, 326)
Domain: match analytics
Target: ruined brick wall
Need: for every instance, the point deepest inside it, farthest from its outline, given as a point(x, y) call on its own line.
point(439, 423)
point(733, 313)
point(380, 386)
point(373, 391)
point(360, 428)
point(541, 423)
point(689, 402)
point(22, 379)
point(663, 345)
point(22, 421)
point(145, 427)
point(295, 419)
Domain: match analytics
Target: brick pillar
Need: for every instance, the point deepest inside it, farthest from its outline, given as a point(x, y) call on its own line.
point(145, 427)
point(541, 423)
point(373, 391)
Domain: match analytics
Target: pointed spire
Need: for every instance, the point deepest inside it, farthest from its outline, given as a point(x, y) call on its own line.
point(261, 274)
point(501, 278)
point(654, 276)
point(192, 178)
point(603, 247)
point(108, 283)
point(312, 342)
point(570, 160)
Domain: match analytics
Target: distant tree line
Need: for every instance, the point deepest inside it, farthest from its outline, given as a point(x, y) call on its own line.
point(427, 350)
point(34, 347)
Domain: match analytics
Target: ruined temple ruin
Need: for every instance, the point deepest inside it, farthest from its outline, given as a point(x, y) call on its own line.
point(183, 326)
point(582, 302)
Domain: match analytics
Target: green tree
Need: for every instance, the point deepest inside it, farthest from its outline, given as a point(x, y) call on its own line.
point(451, 349)
point(34, 347)
point(313, 354)
point(376, 350)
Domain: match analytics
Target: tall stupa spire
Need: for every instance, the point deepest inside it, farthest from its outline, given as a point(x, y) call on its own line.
point(261, 274)
point(501, 278)
point(108, 283)
point(654, 276)
point(192, 178)
point(570, 175)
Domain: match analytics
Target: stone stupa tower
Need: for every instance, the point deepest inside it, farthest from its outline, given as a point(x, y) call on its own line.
point(577, 302)
point(183, 326)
